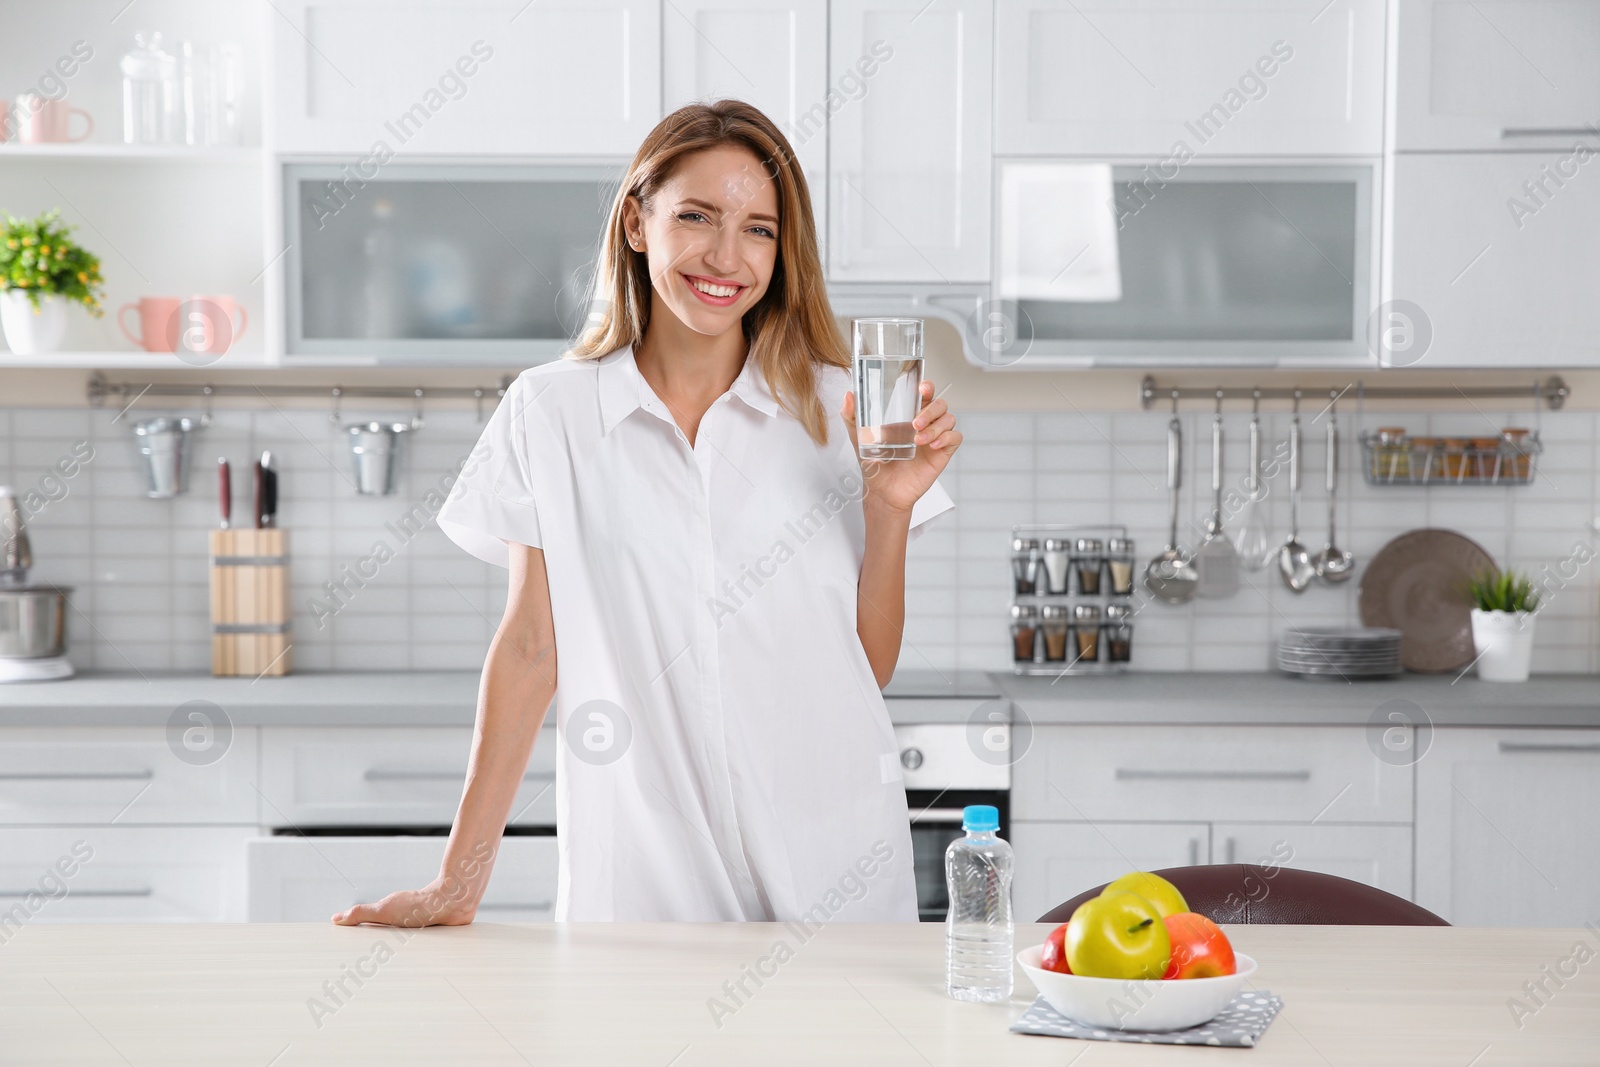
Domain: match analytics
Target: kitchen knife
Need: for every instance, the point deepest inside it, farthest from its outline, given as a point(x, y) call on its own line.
point(225, 489)
point(269, 491)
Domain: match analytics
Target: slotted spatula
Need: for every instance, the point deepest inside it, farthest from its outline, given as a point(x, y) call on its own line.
point(1216, 560)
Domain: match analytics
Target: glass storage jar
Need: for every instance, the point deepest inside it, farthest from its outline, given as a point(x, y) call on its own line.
point(1086, 628)
point(1055, 565)
point(1117, 633)
point(1053, 624)
point(1088, 560)
point(1024, 632)
point(1120, 565)
point(1027, 564)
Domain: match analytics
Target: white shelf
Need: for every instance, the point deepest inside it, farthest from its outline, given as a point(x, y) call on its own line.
point(130, 360)
point(91, 150)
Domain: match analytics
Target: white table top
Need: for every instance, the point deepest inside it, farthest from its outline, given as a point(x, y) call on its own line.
point(494, 994)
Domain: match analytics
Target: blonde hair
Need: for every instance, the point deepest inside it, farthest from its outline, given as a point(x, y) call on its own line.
point(792, 328)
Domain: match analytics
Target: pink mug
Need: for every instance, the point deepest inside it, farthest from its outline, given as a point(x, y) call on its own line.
point(42, 120)
point(206, 325)
point(156, 314)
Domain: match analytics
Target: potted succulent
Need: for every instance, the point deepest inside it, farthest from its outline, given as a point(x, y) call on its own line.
point(1502, 625)
point(41, 271)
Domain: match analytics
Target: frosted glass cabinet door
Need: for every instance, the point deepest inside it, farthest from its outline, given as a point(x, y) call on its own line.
point(770, 53)
point(1496, 73)
point(909, 143)
point(556, 77)
point(1499, 257)
point(1133, 77)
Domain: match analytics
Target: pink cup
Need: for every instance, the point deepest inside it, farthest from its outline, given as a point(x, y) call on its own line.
point(206, 325)
point(155, 315)
point(41, 120)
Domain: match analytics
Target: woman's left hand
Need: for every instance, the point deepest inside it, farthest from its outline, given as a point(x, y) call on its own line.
point(898, 484)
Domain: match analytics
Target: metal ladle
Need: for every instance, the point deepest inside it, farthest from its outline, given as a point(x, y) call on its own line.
point(1294, 560)
point(1334, 565)
point(1170, 576)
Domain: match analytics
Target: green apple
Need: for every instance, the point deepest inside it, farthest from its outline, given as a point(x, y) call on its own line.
point(1154, 888)
point(1118, 935)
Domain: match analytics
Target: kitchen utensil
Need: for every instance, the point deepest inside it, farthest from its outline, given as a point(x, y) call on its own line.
point(225, 490)
point(33, 634)
point(1294, 560)
point(150, 93)
point(1161, 1005)
point(376, 449)
point(887, 357)
point(269, 492)
point(1334, 565)
point(1216, 562)
point(1171, 576)
point(1340, 651)
point(155, 315)
point(163, 443)
point(41, 120)
point(16, 554)
point(1417, 584)
point(1255, 548)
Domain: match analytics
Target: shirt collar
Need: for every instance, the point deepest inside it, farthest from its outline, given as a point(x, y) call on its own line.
point(623, 389)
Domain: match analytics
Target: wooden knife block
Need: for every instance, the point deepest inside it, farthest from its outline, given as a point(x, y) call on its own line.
point(250, 602)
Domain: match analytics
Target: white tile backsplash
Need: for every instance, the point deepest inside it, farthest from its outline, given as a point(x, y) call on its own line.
point(139, 569)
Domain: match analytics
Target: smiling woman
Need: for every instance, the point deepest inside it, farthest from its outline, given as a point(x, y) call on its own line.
point(716, 759)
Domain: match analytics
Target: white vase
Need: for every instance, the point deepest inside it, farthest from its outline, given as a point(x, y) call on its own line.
point(1503, 641)
point(30, 330)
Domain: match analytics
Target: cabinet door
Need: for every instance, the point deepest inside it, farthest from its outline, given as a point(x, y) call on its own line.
point(1496, 73)
point(1507, 826)
point(1135, 77)
point(505, 77)
point(1498, 252)
point(770, 53)
point(1379, 856)
point(909, 162)
point(1055, 861)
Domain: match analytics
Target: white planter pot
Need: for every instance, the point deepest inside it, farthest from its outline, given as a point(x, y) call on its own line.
point(1503, 641)
point(30, 330)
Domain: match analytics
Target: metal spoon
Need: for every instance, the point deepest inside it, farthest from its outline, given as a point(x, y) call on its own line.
point(1294, 560)
point(1334, 565)
point(1170, 576)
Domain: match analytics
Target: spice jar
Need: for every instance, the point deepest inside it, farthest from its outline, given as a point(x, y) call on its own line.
point(1086, 627)
point(1024, 631)
point(1055, 565)
point(1425, 461)
point(1026, 565)
point(1053, 624)
point(1119, 565)
point(1455, 458)
point(1117, 633)
point(1087, 560)
point(1485, 462)
point(1515, 449)
point(1391, 457)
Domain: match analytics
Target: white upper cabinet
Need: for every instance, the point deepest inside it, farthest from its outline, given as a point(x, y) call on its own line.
point(1496, 255)
point(1137, 77)
point(909, 149)
point(1476, 74)
point(770, 53)
point(556, 77)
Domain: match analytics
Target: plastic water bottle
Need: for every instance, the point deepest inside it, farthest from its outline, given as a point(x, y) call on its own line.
point(978, 931)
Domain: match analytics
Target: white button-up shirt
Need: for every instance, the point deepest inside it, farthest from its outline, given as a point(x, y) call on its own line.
point(724, 750)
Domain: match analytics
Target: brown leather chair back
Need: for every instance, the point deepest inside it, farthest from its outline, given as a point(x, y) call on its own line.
point(1247, 893)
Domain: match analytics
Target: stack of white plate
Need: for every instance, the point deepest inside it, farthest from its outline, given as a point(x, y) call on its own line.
point(1339, 651)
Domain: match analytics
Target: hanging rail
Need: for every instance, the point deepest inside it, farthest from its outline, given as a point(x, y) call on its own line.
point(100, 388)
point(1552, 391)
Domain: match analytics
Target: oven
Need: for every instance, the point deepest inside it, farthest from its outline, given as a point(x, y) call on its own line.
point(948, 766)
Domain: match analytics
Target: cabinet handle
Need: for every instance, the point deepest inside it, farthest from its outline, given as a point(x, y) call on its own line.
point(144, 891)
point(1134, 773)
point(74, 776)
point(1546, 131)
point(1194, 852)
point(377, 774)
point(1229, 850)
point(1549, 746)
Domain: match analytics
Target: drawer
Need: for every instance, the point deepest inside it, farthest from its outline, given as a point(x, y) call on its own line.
point(1210, 774)
point(390, 776)
point(121, 874)
point(309, 879)
point(57, 776)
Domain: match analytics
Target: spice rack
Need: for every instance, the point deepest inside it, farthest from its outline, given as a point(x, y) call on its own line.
point(1391, 457)
point(1046, 625)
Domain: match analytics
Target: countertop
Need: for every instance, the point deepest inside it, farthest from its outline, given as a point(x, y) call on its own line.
point(643, 995)
point(449, 698)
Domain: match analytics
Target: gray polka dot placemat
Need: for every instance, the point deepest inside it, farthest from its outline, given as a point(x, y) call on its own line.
point(1239, 1025)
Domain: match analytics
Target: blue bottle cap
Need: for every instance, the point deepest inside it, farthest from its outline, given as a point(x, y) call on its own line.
point(980, 818)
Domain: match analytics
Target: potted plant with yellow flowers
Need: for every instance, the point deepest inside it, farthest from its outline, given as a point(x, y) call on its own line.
point(42, 270)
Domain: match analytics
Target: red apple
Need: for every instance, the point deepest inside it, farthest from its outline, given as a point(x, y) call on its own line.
point(1054, 955)
point(1199, 947)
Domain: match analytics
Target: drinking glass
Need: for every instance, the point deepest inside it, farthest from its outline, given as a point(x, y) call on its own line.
point(888, 377)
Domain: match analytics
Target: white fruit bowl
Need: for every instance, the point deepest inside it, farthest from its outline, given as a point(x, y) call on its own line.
point(1115, 1004)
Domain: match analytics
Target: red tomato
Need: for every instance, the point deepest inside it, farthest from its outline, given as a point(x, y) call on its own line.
point(1199, 947)
point(1054, 956)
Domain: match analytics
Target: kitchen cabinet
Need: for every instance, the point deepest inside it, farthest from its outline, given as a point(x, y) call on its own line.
point(555, 78)
point(770, 53)
point(1496, 74)
point(909, 143)
point(1375, 855)
point(1137, 77)
point(309, 879)
point(396, 776)
point(1496, 257)
point(1055, 861)
point(1507, 825)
